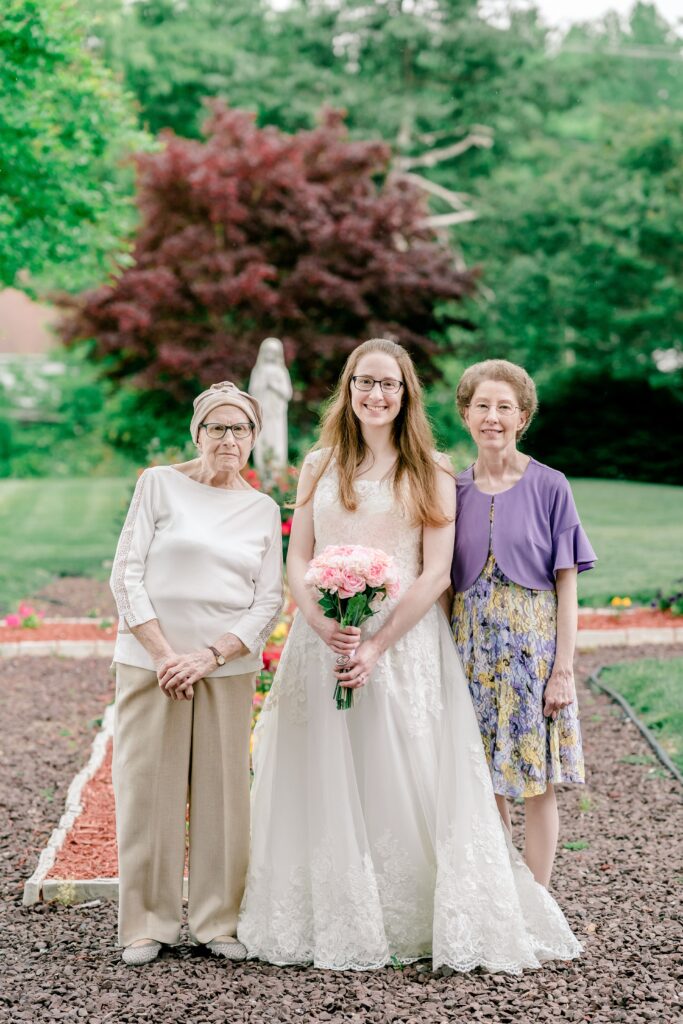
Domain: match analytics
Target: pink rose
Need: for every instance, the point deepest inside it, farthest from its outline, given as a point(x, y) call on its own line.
point(350, 583)
point(375, 574)
point(12, 620)
point(329, 579)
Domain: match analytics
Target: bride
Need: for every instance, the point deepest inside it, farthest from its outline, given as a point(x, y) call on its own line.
point(375, 832)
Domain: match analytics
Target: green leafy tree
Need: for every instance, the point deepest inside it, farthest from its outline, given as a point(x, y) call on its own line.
point(174, 55)
point(416, 73)
point(580, 225)
point(66, 203)
point(635, 63)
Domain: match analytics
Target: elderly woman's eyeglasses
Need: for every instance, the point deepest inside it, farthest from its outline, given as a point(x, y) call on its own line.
point(387, 384)
point(504, 410)
point(217, 431)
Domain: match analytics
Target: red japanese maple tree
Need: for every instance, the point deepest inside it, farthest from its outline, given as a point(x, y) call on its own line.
point(254, 232)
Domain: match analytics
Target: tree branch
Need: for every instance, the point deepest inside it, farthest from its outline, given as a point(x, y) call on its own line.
point(444, 220)
point(455, 199)
point(438, 156)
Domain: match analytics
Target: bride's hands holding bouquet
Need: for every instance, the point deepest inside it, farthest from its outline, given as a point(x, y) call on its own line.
point(341, 640)
point(357, 671)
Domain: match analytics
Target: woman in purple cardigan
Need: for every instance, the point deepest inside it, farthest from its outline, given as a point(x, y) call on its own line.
point(519, 545)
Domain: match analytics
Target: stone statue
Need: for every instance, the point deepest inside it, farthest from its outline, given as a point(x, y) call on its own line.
point(271, 385)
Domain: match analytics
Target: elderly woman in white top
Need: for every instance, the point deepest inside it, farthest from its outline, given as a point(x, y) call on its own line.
point(197, 579)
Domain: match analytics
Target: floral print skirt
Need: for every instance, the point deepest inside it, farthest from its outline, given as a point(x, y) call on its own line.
point(506, 636)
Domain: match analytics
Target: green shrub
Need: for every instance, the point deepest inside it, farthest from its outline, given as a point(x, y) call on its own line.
point(621, 429)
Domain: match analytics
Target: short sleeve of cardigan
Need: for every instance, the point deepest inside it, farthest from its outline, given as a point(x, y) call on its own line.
point(571, 546)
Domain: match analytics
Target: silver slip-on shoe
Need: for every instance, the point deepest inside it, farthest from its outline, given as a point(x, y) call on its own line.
point(230, 950)
point(136, 956)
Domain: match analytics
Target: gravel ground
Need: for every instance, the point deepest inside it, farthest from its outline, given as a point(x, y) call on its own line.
point(621, 892)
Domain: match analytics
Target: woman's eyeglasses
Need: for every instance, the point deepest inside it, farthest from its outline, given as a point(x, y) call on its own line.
point(387, 384)
point(504, 410)
point(216, 431)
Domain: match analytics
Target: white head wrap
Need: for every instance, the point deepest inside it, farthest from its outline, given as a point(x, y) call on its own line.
point(225, 393)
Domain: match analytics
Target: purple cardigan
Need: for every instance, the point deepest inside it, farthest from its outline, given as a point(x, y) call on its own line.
point(536, 530)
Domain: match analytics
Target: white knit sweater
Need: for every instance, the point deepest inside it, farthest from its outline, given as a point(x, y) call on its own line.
point(202, 560)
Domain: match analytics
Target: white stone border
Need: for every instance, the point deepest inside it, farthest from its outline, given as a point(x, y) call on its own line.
point(72, 808)
point(71, 892)
point(587, 639)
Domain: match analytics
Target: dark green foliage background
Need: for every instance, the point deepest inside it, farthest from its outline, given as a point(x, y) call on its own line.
point(590, 425)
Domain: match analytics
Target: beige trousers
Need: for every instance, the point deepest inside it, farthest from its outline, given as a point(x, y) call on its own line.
point(164, 752)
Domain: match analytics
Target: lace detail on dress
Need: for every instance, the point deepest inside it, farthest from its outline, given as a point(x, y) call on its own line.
point(304, 652)
point(336, 903)
point(407, 897)
point(477, 920)
point(361, 915)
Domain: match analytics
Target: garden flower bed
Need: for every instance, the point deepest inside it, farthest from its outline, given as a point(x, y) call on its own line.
point(104, 629)
point(632, 618)
point(59, 630)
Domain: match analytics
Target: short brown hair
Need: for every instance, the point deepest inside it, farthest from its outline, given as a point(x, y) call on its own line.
point(499, 370)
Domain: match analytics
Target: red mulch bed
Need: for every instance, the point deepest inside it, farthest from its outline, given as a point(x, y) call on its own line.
point(634, 618)
point(58, 631)
point(90, 847)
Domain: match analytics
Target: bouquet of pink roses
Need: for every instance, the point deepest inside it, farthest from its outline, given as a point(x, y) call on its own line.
point(352, 581)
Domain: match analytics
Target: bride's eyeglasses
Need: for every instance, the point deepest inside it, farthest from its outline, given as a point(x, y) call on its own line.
point(387, 384)
point(217, 431)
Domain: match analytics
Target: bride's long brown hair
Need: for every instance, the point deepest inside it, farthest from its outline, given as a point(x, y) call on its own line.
point(341, 438)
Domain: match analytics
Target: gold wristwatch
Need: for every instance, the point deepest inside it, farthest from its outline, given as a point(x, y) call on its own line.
point(220, 660)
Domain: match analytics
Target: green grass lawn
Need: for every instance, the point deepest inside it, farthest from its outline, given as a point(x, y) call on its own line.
point(654, 689)
point(57, 527)
point(70, 526)
point(637, 533)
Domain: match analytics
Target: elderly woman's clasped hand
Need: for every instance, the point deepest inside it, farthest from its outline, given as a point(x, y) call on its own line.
point(179, 672)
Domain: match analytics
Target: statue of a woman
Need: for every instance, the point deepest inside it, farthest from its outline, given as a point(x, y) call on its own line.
point(271, 385)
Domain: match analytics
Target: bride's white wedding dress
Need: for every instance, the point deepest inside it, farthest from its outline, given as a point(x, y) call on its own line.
point(375, 833)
